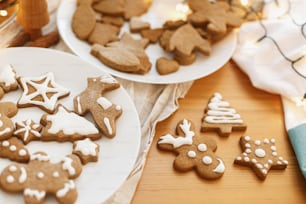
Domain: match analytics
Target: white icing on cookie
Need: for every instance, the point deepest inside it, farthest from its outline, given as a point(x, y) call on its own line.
point(67, 165)
point(7, 75)
point(67, 187)
point(104, 103)
point(38, 195)
point(70, 123)
point(220, 112)
point(86, 147)
point(108, 125)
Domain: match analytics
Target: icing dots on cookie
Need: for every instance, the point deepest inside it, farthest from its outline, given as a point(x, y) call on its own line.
point(193, 152)
point(261, 156)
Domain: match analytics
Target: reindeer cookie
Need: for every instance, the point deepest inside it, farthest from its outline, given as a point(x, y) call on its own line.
point(41, 177)
point(91, 100)
point(193, 152)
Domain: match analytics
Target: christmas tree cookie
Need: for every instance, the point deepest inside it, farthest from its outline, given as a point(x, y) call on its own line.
point(220, 117)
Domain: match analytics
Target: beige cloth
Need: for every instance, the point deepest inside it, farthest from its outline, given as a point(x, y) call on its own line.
point(154, 103)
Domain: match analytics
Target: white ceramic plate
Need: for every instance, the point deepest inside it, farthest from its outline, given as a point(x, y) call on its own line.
point(99, 180)
point(159, 12)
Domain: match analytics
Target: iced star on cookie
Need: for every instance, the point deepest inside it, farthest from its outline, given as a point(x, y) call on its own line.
point(87, 150)
point(41, 91)
point(261, 156)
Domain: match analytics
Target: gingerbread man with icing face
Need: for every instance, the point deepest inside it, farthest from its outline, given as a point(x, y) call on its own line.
point(41, 177)
point(193, 152)
point(91, 100)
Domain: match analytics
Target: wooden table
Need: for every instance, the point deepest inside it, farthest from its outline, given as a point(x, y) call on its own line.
point(263, 114)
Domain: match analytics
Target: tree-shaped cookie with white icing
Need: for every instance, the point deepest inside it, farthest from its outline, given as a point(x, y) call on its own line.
point(220, 117)
point(193, 152)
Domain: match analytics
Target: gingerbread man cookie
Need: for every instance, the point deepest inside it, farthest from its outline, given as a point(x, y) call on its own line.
point(261, 156)
point(41, 177)
point(220, 117)
point(41, 91)
point(193, 152)
point(92, 100)
point(7, 110)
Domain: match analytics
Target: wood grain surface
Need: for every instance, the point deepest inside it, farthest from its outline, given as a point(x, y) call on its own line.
point(262, 112)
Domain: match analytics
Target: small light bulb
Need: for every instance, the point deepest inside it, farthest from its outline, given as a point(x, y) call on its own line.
point(3, 13)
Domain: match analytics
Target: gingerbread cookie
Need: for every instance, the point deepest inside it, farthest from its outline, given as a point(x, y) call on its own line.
point(166, 66)
point(7, 110)
point(86, 150)
point(216, 16)
point(152, 35)
point(126, 55)
point(41, 91)
point(83, 20)
point(135, 8)
point(40, 178)
point(65, 125)
point(220, 117)
point(261, 156)
point(136, 25)
point(91, 100)
point(110, 7)
point(8, 79)
point(103, 34)
point(28, 131)
point(193, 152)
point(185, 40)
point(14, 150)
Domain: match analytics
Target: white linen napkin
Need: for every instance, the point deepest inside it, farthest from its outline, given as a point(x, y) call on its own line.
point(272, 52)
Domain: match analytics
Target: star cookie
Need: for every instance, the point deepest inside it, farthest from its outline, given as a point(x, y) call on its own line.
point(41, 91)
point(28, 130)
point(261, 156)
point(87, 150)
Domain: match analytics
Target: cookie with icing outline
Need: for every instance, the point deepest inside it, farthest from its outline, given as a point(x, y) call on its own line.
point(260, 156)
point(192, 151)
point(220, 117)
point(41, 91)
point(40, 178)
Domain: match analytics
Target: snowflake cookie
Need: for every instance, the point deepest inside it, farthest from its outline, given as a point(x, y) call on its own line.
point(28, 130)
point(41, 91)
point(261, 156)
point(220, 117)
point(193, 152)
point(41, 177)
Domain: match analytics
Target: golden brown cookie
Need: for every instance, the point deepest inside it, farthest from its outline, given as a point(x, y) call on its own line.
point(8, 81)
point(103, 34)
point(41, 91)
point(83, 20)
point(65, 125)
point(110, 7)
point(7, 110)
point(126, 55)
point(192, 151)
point(103, 111)
point(152, 34)
point(14, 150)
point(28, 131)
point(260, 156)
point(135, 7)
point(40, 178)
point(86, 150)
point(220, 117)
point(166, 66)
point(136, 25)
